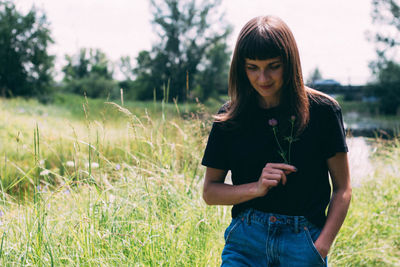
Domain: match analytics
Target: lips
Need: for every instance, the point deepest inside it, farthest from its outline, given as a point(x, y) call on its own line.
point(266, 86)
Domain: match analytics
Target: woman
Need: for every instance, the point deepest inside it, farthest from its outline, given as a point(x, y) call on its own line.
point(280, 140)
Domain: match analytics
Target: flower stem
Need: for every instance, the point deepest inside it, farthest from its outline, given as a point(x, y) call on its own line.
point(291, 139)
point(280, 148)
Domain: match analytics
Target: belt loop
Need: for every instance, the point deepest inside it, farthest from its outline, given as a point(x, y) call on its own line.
point(248, 216)
point(296, 224)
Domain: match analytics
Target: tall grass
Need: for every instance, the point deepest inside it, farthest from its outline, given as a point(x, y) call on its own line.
point(120, 185)
point(370, 235)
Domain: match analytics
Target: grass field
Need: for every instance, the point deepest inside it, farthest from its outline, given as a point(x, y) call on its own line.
point(84, 183)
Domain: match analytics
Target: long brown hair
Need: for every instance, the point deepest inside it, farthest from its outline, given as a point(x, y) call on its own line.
point(264, 38)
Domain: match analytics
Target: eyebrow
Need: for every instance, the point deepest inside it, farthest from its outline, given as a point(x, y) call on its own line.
point(273, 62)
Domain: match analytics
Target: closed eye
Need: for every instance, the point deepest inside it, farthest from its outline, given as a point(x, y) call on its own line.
point(251, 67)
point(275, 67)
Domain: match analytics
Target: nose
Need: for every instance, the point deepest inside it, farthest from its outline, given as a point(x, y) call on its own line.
point(264, 76)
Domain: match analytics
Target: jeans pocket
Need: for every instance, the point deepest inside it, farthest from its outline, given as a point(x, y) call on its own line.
point(311, 244)
point(231, 228)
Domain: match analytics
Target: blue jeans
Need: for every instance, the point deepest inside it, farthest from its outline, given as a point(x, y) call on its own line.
point(256, 238)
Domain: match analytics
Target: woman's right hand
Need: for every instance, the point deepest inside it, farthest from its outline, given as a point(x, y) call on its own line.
point(272, 174)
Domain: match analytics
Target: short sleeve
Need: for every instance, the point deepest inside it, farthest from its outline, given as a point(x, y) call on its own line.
point(334, 139)
point(216, 154)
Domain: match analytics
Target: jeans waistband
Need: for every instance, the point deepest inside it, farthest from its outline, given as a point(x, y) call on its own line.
point(253, 215)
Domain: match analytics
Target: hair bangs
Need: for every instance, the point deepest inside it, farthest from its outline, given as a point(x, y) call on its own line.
point(259, 44)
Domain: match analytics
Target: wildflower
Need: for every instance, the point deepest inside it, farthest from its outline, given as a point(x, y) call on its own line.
point(44, 172)
point(117, 167)
point(1, 213)
point(111, 198)
point(41, 162)
point(70, 163)
point(94, 165)
point(67, 192)
point(273, 122)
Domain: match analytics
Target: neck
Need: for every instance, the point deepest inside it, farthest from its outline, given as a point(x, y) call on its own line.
point(268, 103)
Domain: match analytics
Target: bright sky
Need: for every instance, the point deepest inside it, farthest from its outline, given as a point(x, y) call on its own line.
point(331, 34)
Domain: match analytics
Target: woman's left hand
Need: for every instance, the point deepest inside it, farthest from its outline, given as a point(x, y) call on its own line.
point(323, 251)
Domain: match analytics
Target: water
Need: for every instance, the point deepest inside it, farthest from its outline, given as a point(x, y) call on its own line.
point(360, 125)
point(361, 167)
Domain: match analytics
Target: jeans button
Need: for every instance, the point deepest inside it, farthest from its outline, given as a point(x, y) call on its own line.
point(272, 219)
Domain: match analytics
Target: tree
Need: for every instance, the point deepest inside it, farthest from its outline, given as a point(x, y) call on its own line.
point(387, 88)
point(89, 72)
point(386, 70)
point(187, 46)
point(386, 13)
point(315, 75)
point(25, 66)
point(212, 80)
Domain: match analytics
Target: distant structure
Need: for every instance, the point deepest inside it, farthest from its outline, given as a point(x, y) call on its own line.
point(326, 82)
point(332, 87)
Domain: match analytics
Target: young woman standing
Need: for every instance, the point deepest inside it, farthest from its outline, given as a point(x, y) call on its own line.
point(280, 140)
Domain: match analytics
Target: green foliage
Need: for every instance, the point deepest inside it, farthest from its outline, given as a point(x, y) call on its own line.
point(371, 233)
point(140, 203)
point(189, 54)
point(387, 88)
point(213, 80)
point(90, 72)
point(25, 65)
point(386, 13)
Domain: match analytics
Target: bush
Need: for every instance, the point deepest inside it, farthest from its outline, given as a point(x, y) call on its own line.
point(94, 86)
point(387, 88)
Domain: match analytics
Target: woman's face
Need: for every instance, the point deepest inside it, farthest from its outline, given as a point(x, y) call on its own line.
point(266, 77)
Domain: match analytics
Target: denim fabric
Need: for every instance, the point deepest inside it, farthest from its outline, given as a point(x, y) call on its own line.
point(256, 238)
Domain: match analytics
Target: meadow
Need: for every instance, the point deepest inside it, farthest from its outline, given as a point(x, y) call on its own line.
point(88, 182)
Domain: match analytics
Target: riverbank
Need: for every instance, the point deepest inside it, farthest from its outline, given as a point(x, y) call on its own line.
point(371, 232)
point(363, 120)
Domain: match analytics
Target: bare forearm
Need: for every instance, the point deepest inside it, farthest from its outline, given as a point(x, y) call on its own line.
point(225, 194)
point(336, 214)
point(216, 192)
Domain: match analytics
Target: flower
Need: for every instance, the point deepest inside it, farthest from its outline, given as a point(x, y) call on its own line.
point(117, 167)
point(272, 122)
point(93, 165)
point(290, 139)
point(44, 172)
point(70, 163)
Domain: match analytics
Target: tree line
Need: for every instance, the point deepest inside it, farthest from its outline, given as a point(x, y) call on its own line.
point(189, 60)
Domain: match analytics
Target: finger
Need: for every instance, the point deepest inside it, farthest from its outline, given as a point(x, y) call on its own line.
point(272, 176)
point(280, 172)
point(270, 183)
point(282, 166)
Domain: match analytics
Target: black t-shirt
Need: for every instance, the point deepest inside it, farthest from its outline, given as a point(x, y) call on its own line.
point(246, 151)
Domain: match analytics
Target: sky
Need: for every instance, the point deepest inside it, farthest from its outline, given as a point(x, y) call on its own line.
point(330, 34)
